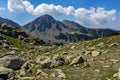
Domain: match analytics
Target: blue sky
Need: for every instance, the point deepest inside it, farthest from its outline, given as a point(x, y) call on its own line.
point(90, 13)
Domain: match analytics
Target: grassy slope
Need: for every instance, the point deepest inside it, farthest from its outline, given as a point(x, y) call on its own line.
point(77, 73)
point(89, 73)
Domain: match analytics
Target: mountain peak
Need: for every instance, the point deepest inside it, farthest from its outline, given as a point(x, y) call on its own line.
point(46, 17)
point(42, 23)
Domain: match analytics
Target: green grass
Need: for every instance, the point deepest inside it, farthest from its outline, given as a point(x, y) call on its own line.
point(18, 43)
point(107, 74)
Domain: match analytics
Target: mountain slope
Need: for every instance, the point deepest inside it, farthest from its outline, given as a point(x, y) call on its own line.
point(56, 32)
point(97, 59)
point(9, 22)
point(16, 35)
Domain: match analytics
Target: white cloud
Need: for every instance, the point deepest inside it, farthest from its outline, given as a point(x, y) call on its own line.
point(86, 17)
point(2, 9)
point(53, 10)
point(15, 5)
point(94, 16)
point(28, 6)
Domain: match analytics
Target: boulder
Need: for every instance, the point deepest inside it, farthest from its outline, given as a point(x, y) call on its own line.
point(115, 75)
point(77, 60)
point(11, 52)
point(5, 45)
point(68, 59)
point(58, 61)
point(87, 52)
point(14, 63)
point(22, 34)
point(14, 34)
point(92, 48)
point(40, 72)
point(101, 44)
point(26, 40)
point(46, 63)
point(11, 61)
point(95, 53)
point(114, 60)
point(113, 44)
point(22, 73)
point(20, 37)
point(7, 32)
point(6, 73)
point(25, 66)
point(52, 75)
point(60, 73)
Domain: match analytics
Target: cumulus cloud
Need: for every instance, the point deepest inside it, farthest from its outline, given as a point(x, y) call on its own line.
point(94, 16)
point(15, 5)
point(53, 10)
point(87, 17)
point(28, 6)
point(2, 9)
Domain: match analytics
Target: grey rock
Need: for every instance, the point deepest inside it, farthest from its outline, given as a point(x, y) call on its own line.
point(40, 72)
point(26, 40)
point(115, 75)
point(60, 73)
point(11, 61)
point(7, 31)
point(46, 63)
point(95, 53)
point(77, 60)
point(20, 37)
point(14, 34)
point(5, 45)
point(68, 59)
point(101, 44)
point(113, 44)
point(114, 60)
point(58, 61)
point(6, 73)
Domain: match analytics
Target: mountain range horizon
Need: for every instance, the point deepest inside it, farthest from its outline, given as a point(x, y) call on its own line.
point(2, 19)
point(52, 31)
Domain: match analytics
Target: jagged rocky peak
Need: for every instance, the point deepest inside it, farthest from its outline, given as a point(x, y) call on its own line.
point(46, 18)
point(41, 23)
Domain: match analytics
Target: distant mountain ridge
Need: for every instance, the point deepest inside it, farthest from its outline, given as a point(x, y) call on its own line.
point(9, 22)
point(55, 32)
